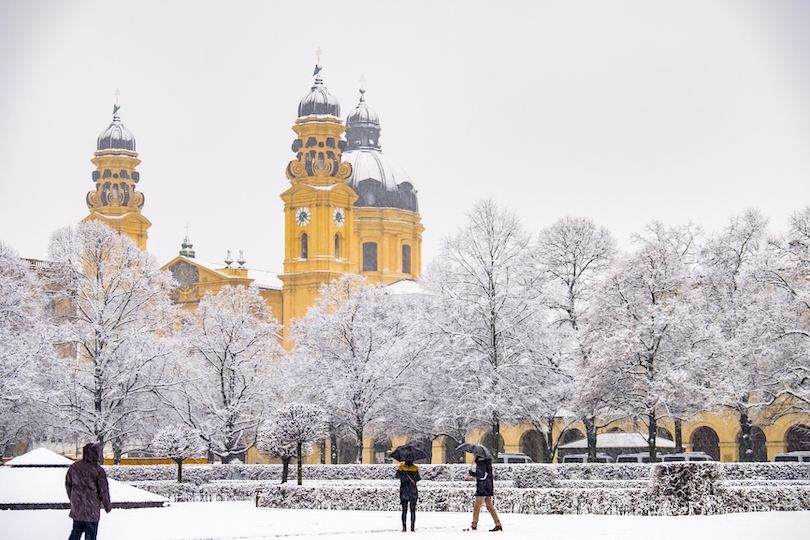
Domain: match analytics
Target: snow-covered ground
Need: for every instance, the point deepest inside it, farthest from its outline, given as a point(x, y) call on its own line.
point(242, 521)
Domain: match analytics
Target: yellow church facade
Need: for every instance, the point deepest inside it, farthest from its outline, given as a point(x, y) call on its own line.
point(348, 208)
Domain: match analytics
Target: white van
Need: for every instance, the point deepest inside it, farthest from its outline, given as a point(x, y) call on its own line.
point(642, 457)
point(687, 456)
point(583, 458)
point(513, 458)
point(799, 456)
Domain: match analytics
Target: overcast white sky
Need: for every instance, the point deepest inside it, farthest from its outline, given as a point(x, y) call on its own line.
point(621, 111)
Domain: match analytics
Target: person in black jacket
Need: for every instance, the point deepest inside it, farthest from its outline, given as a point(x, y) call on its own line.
point(484, 490)
point(88, 490)
point(408, 475)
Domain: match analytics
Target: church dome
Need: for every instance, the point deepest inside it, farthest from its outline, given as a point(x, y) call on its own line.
point(377, 179)
point(362, 116)
point(369, 164)
point(319, 102)
point(116, 137)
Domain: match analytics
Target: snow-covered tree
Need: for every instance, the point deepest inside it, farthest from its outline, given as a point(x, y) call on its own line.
point(291, 432)
point(25, 342)
point(743, 307)
point(270, 441)
point(234, 350)
point(573, 255)
point(121, 321)
point(651, 329)
point(353, 353)
point(485, 307)
point(178, 443)
point(785, 272)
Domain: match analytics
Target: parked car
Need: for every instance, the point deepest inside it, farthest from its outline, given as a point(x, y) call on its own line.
point(687, 456)
point(583, 458)
point(641, 457)
point(513, 458)
point(801, 456)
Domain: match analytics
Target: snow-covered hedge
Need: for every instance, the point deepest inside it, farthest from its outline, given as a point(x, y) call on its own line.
point(687, 488)
point(661, 489)
point(200, 474)
point(766, 471)
point(449, 499)
point(533, 475)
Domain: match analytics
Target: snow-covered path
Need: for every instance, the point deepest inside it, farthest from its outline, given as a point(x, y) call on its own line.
point(240, 520)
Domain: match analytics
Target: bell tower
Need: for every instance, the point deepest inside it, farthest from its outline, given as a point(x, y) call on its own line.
point(114, 199)
point(318, 206)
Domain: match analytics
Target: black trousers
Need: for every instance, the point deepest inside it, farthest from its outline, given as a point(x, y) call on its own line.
point(89, 528)
point(405, 505)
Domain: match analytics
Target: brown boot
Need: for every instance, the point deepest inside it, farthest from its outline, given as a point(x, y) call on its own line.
point(497, 528)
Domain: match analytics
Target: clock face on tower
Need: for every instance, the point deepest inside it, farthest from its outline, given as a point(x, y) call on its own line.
point(302, 216)
point(339, 215)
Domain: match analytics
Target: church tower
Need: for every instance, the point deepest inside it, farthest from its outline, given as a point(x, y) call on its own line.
point(318, 207)
point(114, 200)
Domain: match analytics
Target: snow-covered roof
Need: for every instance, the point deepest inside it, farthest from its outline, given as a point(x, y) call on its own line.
point(41, 457)
point(266, 279)
point(620, 439)
point(37, 480)
point(38, 487)
point(404, 286)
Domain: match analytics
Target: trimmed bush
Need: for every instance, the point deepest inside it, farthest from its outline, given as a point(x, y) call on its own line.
point(687, 488)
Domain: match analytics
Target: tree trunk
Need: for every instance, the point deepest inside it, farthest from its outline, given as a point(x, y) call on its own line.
point(117, 451)
point(334, 444)
point(652, 433)
point(101, 454)
point(590, 434)
point(678, 435)
point(300, 463)
point(285, 469)
point(323, 452)
point(746, 447)
point(359, 447)
point(548, 441)
point(179, 470)
point(496, 435)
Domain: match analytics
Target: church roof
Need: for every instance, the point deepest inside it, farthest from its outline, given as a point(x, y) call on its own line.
point(116, 136)
point(318, 102)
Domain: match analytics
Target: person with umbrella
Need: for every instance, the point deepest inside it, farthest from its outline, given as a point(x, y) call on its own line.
point(408, 475)
point(484, 485)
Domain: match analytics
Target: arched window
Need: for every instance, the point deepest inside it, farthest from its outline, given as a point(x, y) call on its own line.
point(705, 439)
point(369, 257)
point(451, 455)
point(531, 444)
point(798, 438)
point(304, 247)
point(487, 441)
point(758, 446)
point(571, 435)
point(337, 247)
point(406, 259)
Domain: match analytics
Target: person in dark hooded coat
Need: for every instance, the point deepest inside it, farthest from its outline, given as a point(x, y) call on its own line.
point(484, 490)
point(408, 475)
point(88, 490)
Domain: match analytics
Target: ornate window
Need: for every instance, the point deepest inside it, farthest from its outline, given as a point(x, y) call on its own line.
point(406, 259)
point(304, 247)
point(337, 247)
point(369, 257)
